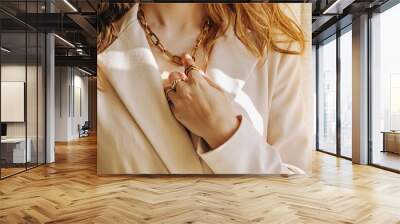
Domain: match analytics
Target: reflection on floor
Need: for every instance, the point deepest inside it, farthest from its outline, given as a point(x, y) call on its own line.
point(387, 159)
point(69, 191)
point(11, 169)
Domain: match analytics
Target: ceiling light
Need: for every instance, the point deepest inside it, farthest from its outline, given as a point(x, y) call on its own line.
point(65, 41)
point(79, 51)
point(70, 5)
point(5, 50)
point(332, 7)
point(84, 71)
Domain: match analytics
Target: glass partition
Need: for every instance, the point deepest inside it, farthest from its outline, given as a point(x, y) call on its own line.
point(385, 89)
point(22, 90)
point(327, 96)
point(346, 93)
point(14, 153)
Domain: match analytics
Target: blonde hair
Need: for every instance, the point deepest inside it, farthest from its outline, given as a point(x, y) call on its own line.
point(258, 26)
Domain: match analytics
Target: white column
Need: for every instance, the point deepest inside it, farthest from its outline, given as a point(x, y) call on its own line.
point(50, 92)
point(360, 90)
point(50, 98)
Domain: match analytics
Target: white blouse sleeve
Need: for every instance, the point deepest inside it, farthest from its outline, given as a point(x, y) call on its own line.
point(246, 152)
point(249, 152)
point(290, 125)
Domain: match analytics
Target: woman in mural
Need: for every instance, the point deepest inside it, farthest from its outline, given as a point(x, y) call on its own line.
point(202, 88)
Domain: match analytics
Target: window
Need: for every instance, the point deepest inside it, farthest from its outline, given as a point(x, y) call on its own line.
point(385, 89)
point(327, 96)
point(346, 75)
point(314, 72)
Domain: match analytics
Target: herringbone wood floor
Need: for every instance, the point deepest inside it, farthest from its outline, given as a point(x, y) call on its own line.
point(70, 192)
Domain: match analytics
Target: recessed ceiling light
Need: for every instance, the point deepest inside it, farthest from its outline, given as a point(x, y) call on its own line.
point(70, 5)
point(65, 41)
point(84, 71)
point(5, 50)
point(337, 7)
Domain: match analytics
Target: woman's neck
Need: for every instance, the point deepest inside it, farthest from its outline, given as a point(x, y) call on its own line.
point(175, 16)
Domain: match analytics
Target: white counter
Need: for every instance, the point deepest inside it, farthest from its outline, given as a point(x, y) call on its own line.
point(18, 145)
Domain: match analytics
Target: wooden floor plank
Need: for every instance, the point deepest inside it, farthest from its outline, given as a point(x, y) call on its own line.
point(69, 191)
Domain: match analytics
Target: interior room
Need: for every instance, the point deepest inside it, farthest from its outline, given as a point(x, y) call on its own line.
point(48, 150)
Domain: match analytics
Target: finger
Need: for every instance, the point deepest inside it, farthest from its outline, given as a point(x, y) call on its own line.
point(168, 90)
point(166, 86)
point(176, 75)
point(194, 74)
point(181, 88)
point(175, 104)
point(173, 97)
point(188, 60)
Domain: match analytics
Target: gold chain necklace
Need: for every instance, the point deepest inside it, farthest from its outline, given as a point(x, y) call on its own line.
point(157, 43)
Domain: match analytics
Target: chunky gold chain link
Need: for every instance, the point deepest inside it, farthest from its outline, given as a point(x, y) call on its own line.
point(157, 43)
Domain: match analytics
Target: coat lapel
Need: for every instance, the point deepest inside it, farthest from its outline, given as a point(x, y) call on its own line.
point(131, 68)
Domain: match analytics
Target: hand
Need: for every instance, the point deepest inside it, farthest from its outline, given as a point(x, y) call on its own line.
point(202, 106)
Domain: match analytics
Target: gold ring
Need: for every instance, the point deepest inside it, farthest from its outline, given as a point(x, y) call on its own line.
point(175, 82)
point(190, 68)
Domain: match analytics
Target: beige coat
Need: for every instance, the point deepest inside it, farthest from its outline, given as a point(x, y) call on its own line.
point(137, 133)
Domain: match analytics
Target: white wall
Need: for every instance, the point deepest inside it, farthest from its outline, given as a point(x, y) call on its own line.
point(81, 103)
point(16, 73)
point(71, 94)
point(62, 81)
